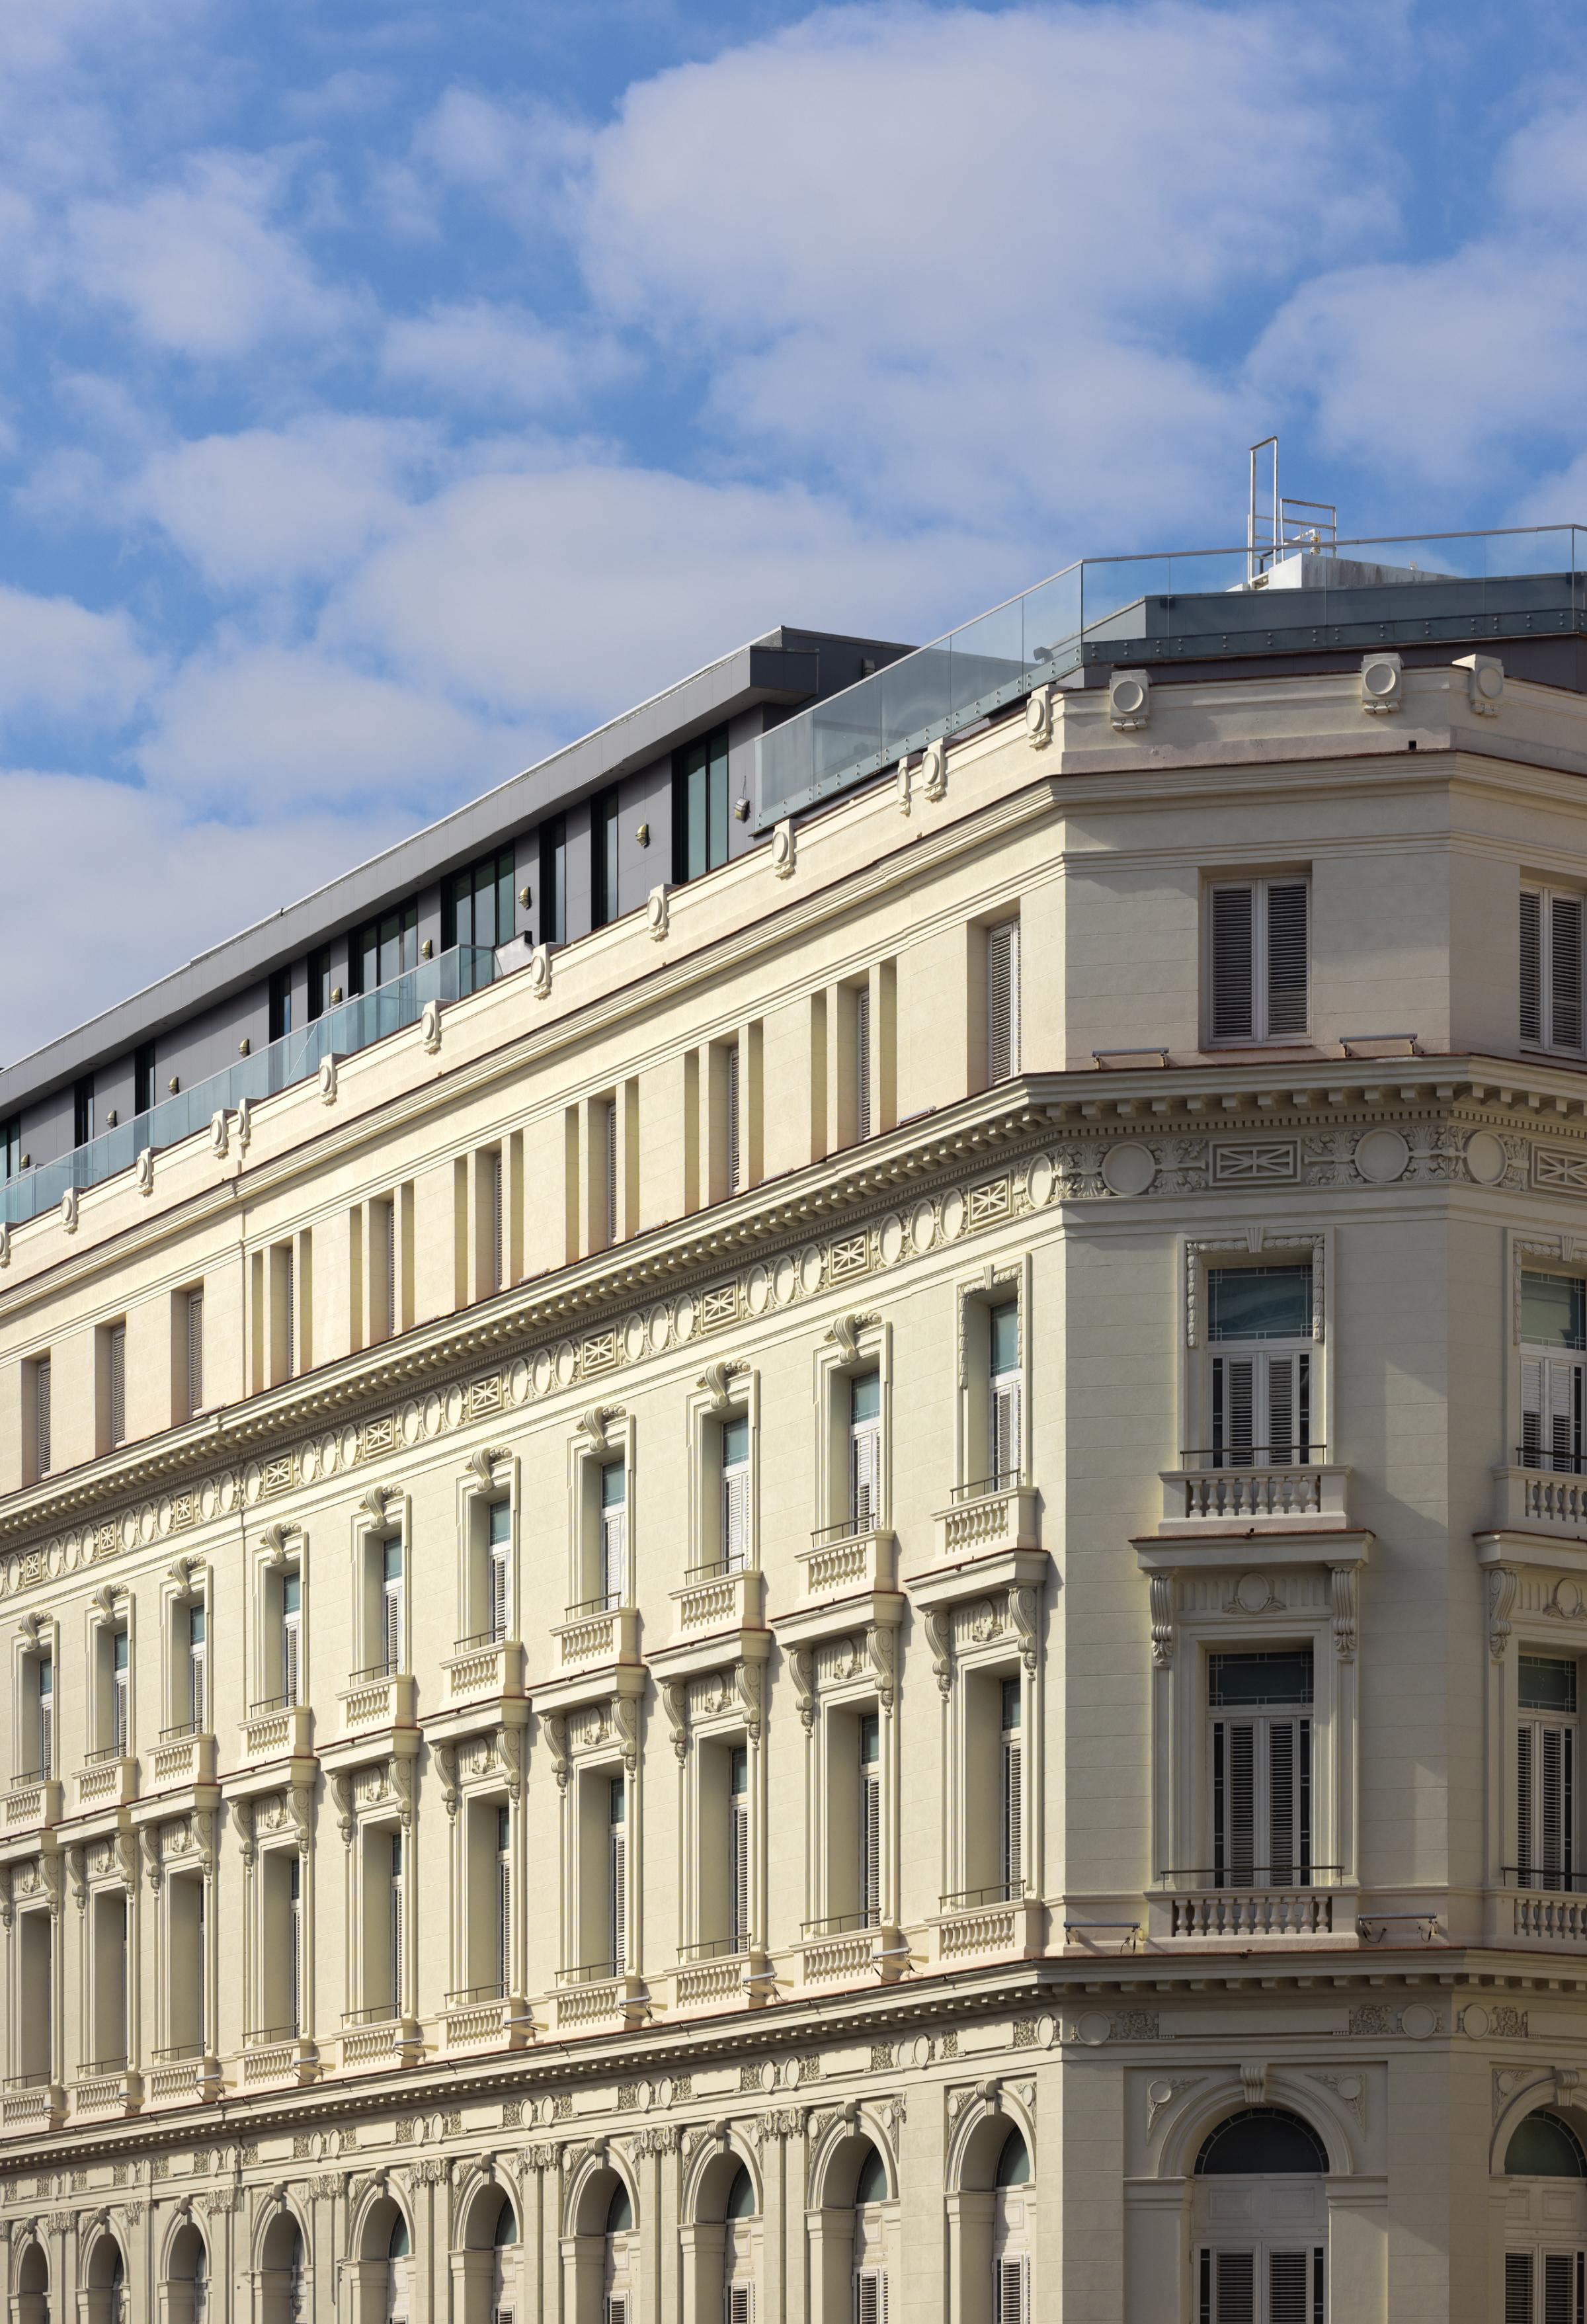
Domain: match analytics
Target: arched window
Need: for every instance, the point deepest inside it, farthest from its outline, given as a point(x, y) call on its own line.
point(1010, 2240)
point(1273, 2266)
point(295, 2305)
point(188, 2278)
point(399, 2272)
point(117, 2307)
point(738, 2257)
point(33, 2288)
point(617, 2278)
point(871, 2192)
point(1545, 2223)
point(503, 2242)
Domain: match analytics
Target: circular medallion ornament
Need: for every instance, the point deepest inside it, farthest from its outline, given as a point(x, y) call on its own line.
point(922, 1226)
point(1094, 2028)
point(435, 1413)
point(634, 1337)
point(785, 1279)
point(327, 1455)
point(544, 1371)
point(1381, 1156)
point(456, 1405)
point(757, 1290)
point(1484, 1158)
point(1129, 1170)
point(1252, 1591)
point(1474, 2021)
point(683, 1319)
point(659, 1324)
point(810, 1271)
point(1567, 1600)
point(411, 1424)
point(891, 1239)
point(1419, 2020)
point(953, 1217)
point(567, 1363)
point(1042, 1180)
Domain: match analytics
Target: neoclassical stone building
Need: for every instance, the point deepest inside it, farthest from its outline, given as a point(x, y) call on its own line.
point(795, 1533)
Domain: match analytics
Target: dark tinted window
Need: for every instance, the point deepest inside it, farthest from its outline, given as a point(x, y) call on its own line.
point(476, 905)
point(1545, 2147)
point(144, 1078)
point(82, 1111)
point(553, 929)
point(318, 982)
point(603, 858)
point(1551, 1311)
point(385, 948)
point(11, 1147)
point(1243, 1681)
point(1259, 1302)
point(281, 1004)
point(1262, 2139)
point(699, 806)
point(1547, 1683)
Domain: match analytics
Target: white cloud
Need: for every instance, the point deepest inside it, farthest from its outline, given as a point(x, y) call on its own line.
point(64, 663)
point(475, 353)
point(200, 267)
point(569, 592)
point(154, 885)
point(260, 732)
point(265, 506)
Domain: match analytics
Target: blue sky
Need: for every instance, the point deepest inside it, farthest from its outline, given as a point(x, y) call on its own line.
point(388, 393)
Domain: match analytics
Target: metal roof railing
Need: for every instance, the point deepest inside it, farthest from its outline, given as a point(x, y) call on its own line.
point(1517, 581)
point(357, 1024)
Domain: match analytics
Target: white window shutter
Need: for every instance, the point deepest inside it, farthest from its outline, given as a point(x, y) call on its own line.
point(398, 1923)
point(1288, 2273)
point(619, 1901)
point(503, 1923)
point(290, 1296)
point(291, 1648)
point(862, 1062)
point(1531, 965)
point(1003, 1001)
point(870, 1843)
point(195, 1351)
point(614, 1553)
point(1014, 1813)
point(1234, 964)
point(736, 1519)
point(1517, 2287)
point(1005, 1426)
point(865, 1505)
point(735, 1149)
point(1565, 971)
point(1287, 955)
point(1559, 2305)
point(116, 1354)
point(740, 1875)
point(499, 1590)
point(740, 2304)
point(1012, 2305)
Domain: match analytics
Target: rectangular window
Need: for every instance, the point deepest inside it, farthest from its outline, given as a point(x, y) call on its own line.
point(495, 1220)
point(1011, 2292)
point(292, 1638)
point(864, 1481)
point(319, 983)
point(82, 1111)
point(1262, 1768)
point(281, 1003)
point(144, 1078)
point(699, 806)
point(554, 880)
point(614, 1533)
point(1546, 1773)
point(294, 1944)
point(1005, 1441)
point(617, 1875)
point(45, 1738)
point(736, 1495)
point(10, 1147)
point(870, 2296)
point(503, 1914)
point(1260, 1323)
point(732, 1109)
point(476, 904)
point(500, 1550)
point(738, 1848)
point(194, 1335)
point(383, 948)
point(116, 1385)
point(603, 890)
point(395, 1922)
point(1258, 958)
point(611, 1222)
point(870, 1805)
point(392, 1605)
point(1013, 1788)
point(1003, 1001)
point(862, 1062)
point(120, 1700)
point(1550, 968)
point(197, 1666)
point(42, 1432)
point(1553, 1340)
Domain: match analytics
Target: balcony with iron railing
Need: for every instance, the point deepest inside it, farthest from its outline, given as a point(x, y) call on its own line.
point(342, 1032)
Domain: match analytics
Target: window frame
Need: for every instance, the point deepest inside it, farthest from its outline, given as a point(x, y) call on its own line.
point(714, 777)
point(1261, 884)
point(1260, 1248)
point(1542, 1004)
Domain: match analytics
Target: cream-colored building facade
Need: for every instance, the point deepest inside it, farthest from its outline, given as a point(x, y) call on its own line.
point(860, 1621)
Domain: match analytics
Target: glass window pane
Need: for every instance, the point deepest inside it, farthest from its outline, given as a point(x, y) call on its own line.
point(1005, 1338)
point(717, 807)
point(735, 1442)
point(1547, 1683)
point(1284, 1676)
point(1551, 1311)
point(866, 1395)
point(614, 1485)
point(1259, 1302)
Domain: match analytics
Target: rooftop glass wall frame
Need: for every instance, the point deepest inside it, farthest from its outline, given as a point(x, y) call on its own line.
point(1384, 591)
point(358, 1024)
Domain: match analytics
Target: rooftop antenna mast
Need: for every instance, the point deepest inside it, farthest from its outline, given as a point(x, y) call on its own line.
point(1281, 524)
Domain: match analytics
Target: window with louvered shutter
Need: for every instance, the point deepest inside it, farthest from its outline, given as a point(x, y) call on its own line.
point(738, 1845)
point(1517, 2287)
point(289, 1310)
point(1013, 1785)
point(1012, 2306)
point(740, 2304)
point(392, 1603)
point(864, 1508)
point(869, 1866)
point(1545, 1772)
point(198, 1664)
point(119, 1705)
point(617, 2307)
point(731, 1109)
point(1551, 941)
point(46, 1698)
point(1003, 1001)
point(116, 1366)
point(389, 1242)
point(618, 1874)
point(295, 1940)
point(615, 1532)
point(1559, 2285)
point(494, 1195)
point(43, 1434)
point(396, 1927)
point(736, 1495)
point(195, 1352)
point(870, 2296)
point(503, 1899)
point(862, 1062)
point(1259, 954)
point(1230, 2287)
point(1005, 1441)
point(1260, 1753)
point(292, 1641)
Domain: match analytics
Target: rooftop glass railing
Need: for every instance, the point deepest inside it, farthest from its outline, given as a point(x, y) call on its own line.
point(1405, 588)
point(357, 1024)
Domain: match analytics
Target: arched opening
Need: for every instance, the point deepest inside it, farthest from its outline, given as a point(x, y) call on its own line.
point(187, 2277)
point(618, 2266)
point(31, 2303)
point(1011, 2239)
point(872, 2193)
point(486, 2278)
point(992, 2217)
point(399, 2287)
point(284, 2274)
point(738, 2251)
point(852, 2235)
point(600, 2252)
point(1258, 2220)
point(721, 2243)
point(1545, 2220)
point(105, 2295)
